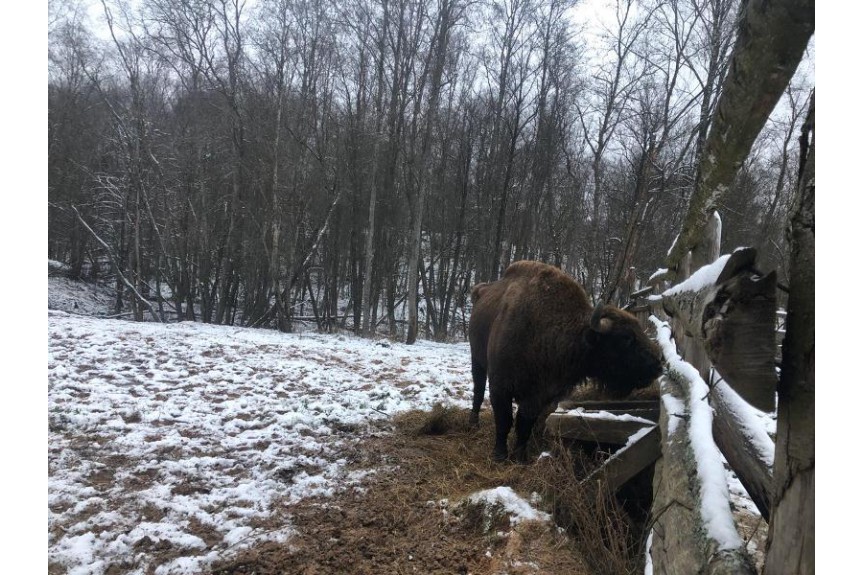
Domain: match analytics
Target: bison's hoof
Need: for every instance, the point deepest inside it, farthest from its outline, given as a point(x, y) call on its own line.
point(500, 456)
point(473, 422)
point(520, 457)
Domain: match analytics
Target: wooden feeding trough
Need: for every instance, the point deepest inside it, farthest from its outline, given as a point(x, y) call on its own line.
point(629, 425)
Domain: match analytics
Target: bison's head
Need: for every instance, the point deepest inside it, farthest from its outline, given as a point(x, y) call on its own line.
point(621, 356)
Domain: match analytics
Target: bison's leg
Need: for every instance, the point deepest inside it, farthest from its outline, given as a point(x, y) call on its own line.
point(479, 374)
point(524, 423)
point(502, 405)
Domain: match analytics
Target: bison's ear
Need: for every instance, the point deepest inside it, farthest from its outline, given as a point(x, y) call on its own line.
point(597, 322)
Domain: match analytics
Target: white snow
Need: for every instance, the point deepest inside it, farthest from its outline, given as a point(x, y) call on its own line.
point(753, 422)
point(78, 297)
point(674, 406)
point(703, 277)
point(672, 245)
point(647, 555)
point(606, 415)
point(518, 508)
point(716, 217)
point(657, 273)
point(633, 438)
point(167, 435)
point(714, 496)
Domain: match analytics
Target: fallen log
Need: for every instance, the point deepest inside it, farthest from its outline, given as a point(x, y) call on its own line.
point(743, 441)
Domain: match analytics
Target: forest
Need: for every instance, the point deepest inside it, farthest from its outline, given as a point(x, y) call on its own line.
point(360, 165)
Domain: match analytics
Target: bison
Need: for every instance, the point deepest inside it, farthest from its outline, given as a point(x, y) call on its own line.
point(535, 336)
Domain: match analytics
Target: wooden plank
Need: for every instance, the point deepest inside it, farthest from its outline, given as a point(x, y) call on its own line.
point(629, 460)
point(583, 427)
point(648, 409)
point(650, 413)
point(609, 404)
point(735, 440)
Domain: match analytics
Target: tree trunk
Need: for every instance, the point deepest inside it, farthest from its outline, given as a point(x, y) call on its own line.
point(772, 39)
point(446, 20)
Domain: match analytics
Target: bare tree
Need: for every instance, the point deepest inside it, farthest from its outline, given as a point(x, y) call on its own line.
point(600, 115)
point(432, 71)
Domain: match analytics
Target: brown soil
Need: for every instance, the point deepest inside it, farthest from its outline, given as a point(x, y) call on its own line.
point(408, 517)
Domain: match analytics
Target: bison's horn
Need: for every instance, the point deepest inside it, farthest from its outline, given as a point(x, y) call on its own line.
point(596, 322)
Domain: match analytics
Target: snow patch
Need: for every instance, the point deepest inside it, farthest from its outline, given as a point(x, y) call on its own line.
point(647, 555)
point(673, 406)
point(514, 505)
point(658, 273)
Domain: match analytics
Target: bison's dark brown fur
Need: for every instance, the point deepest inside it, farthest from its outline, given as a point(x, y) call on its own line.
point(535, 336)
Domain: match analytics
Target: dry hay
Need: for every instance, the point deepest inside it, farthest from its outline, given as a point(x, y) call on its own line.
point(407, 519)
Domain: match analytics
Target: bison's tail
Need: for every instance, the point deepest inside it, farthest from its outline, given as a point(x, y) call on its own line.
point(477, 291)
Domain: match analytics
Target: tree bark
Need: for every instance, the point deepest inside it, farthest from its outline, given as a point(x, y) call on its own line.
point(733, 321)
point(790, 547)
point(772, 38)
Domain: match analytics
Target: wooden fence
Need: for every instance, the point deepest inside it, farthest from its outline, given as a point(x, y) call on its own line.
point(717, 327)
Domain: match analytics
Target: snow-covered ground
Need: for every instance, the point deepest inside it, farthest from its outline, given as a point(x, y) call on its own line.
point(77, 297)
point(192, 436)
point(172, 446)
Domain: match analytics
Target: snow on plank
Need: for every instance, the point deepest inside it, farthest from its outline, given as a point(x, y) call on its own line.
point(599, 426)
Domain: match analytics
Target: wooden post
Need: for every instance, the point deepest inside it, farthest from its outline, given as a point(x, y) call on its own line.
point(732, 319)
point(790, 547)
point(604, 428)
point(704, 254)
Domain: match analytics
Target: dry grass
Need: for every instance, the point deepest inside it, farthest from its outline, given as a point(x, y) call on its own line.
point(608, 537)
point(594, 392)
point(596, 522)
point(408, 518)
